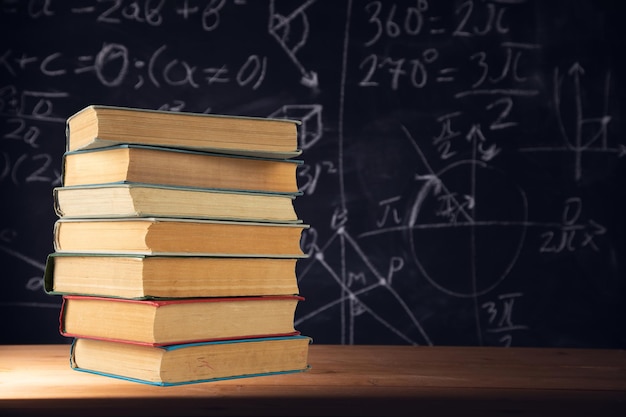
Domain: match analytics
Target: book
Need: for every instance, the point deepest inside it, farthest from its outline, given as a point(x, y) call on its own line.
point(191, 363)
point(177, 167)
point(151, 235)
point(145, 200)
point(177, 321)
point(99, 126)
point(149, 276)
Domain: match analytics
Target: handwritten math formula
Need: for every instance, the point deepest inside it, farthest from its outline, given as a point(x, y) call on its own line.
point(462, 165)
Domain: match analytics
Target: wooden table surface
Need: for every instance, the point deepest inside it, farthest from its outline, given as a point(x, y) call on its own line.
point(344, 380)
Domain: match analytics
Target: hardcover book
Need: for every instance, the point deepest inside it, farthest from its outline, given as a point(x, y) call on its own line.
point(179, 167)
point(97, 126)
point(191, 363)
point(145, 200)
point(148, 235)
point(147, 276)
point(177, 321)
point(176, 246)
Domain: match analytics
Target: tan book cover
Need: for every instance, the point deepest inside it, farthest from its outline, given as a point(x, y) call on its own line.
point(148, 276)
point(177, 167)
point(145, 200)
point(151, 235)
point(100, 126)
point(176, 321)
point(191, 363)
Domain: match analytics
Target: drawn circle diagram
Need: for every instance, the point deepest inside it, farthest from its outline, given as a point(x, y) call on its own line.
point(467, 228)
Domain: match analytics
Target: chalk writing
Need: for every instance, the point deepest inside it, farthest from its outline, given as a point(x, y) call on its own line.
point(114, 65)
point(392, 22)
point(280, 29)
point(451, 149)
point(390, 213)
point(310, 176)
point(28, 168)
point(500, 317)
point(572, 235)
point(468, 149)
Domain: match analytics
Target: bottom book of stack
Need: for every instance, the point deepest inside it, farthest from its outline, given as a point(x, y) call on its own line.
point(184, 341)
point(192, 362)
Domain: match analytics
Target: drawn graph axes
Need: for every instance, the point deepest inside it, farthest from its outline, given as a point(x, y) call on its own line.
point(350, 295)
point(577, 140)
point(432, 186)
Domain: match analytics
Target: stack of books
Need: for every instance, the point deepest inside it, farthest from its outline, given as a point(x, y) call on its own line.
point(176, 246)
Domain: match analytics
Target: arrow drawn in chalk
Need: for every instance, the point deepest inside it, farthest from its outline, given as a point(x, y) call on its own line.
point(280, 27)
point(432, 182)
point(582, 138)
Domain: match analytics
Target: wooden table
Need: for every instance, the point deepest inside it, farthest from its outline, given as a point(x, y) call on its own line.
point(344, 380)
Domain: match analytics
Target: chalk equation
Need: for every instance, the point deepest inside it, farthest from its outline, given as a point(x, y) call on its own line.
point(462, 195)
point(459, 157)
point(113, 65)
point(116, 12)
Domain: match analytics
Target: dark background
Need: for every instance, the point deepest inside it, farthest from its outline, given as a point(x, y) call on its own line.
point(463, 166)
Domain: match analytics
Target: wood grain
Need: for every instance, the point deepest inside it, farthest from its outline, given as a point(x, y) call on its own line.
point(344, 380)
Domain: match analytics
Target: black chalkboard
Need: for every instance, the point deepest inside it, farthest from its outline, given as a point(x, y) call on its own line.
point(463, 166)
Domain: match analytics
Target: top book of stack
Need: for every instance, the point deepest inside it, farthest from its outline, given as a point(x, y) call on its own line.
point(98, 126)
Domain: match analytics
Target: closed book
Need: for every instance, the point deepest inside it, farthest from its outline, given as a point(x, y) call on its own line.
point(149, 276)
point(146, 200)
point(97, 126)
point(177, 321)
point(148, 235)
point(178, 167)
point(191, 363)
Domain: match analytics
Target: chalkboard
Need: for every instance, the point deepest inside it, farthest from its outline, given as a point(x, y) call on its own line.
point(463, 168)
